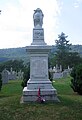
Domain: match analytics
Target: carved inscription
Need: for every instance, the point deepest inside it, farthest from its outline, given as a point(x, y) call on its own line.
point(38, 34)
point(39, 68)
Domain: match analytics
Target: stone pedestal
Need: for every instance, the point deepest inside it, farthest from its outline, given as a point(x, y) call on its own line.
point(39, 78)
point(38, 36)
point(39, 75)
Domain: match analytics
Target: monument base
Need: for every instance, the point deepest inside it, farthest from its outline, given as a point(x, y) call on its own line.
point(47, 91)
point(32, 95)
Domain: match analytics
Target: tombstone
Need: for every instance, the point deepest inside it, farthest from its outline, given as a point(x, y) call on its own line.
point(54, 69)
point(68, 67)
point(66, 72)
point(57, 72)
point(50, 70)
point(5, 76)
point(57, 75)
point(12, 75)
point(57, 69)
point(60, 68)
point(38, 51)
point(20, 75)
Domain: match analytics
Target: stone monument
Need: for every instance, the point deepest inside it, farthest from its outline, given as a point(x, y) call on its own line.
point(38, 51)
point(5, 76)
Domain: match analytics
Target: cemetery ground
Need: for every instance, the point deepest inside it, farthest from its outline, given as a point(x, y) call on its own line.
point(70, 107)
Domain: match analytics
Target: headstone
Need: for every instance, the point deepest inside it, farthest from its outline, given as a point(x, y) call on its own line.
point(60, 68)
point(12, 75)
point(50, 70)
point(57, 75)
point(5, 76)
point(66, 72)
point(20, 75)
point(54, 69)
point(38, 51)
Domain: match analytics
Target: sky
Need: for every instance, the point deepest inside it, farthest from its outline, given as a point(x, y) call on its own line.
point(16, 21)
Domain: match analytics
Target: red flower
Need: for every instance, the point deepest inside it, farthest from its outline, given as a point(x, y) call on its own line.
point(39, 92)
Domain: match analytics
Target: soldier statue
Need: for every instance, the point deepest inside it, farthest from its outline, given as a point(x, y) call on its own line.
point(38, 17)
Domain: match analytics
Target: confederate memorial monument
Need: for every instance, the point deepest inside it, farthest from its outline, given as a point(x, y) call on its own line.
point(38, 50)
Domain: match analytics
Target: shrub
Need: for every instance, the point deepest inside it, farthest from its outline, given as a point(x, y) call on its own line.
point(26, 77)
point(76, 81)
point(0, 81)
point(50, 76)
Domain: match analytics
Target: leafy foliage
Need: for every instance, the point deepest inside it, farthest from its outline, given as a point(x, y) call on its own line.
point(76, 81)
point(15, 64)
point(64, 54)
point(63, 48)
point(62, 44)
point(26, 76)
point(73, 59)
point(21, 54)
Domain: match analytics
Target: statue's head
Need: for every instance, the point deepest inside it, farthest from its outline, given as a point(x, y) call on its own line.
point(38, 10)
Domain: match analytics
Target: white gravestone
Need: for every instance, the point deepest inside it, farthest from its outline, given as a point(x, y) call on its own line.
point(5, 76)
point(38, 51)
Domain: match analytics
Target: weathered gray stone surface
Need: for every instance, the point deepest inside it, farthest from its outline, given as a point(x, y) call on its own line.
point(38, 18)
point(39, 77)
point(57, 75)
point(47, 94)
point(11, 75)
point(5, 76)
point(38, 37)
point(57, 72)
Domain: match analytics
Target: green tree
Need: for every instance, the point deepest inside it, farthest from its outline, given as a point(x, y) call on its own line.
point(64, 55)
point(26, 76)
point(15, 64)
point(63, 48)
point(74, 59)
point(76, 81)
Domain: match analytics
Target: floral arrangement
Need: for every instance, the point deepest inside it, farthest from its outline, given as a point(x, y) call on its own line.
point(40, 99)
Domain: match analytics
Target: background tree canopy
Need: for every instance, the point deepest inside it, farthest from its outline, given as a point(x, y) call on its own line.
point(64, 55)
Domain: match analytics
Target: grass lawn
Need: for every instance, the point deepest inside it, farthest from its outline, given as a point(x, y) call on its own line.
point(70, 107)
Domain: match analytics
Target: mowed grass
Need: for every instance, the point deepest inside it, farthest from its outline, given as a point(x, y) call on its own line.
point(69, 107)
